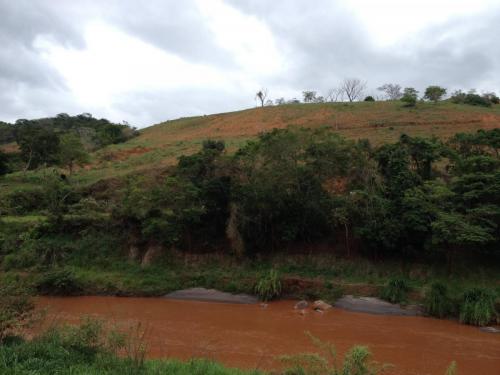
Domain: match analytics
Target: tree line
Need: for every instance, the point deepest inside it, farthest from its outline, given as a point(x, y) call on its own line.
point(413, 198)
point(354, 89)
point(61, 140)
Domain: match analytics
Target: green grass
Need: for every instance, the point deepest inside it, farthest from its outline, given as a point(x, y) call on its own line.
point(92, 348)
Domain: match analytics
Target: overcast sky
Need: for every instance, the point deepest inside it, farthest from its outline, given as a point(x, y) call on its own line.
point(146, 61)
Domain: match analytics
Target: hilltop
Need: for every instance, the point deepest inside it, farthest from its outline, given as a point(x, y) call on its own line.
point(379, 122)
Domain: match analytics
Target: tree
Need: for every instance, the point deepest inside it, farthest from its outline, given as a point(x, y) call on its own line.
point(392, 91)
point(410, 96)
point(37, 144)
point(56, 193)
point(334, 95)
point(280, 101)
point(492, 97)
point(454, 232)
point(434, 93)
point(309, 96)
point(4, 169)
point(353, 88)
point(369, 98)
point(262, 96)
point(72, 152)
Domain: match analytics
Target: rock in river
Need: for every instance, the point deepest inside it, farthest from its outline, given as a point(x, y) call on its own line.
point(301, 305)
point(321, 305)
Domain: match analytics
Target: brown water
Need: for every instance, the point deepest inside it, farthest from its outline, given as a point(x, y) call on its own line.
point(250, 336)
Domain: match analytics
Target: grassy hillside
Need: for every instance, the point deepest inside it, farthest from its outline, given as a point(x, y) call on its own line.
point(160, 145)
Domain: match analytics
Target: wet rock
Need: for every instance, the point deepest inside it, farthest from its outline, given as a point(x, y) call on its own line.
point(490, 329)
point(301, 305)
point(320, 305)
point(212, 295)
point(377, 306)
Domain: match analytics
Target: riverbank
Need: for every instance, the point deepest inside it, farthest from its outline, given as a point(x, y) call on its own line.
point(301, 277)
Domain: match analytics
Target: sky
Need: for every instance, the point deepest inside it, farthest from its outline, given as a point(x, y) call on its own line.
point(147, 61)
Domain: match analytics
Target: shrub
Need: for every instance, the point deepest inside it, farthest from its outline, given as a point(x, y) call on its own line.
point(58, 282)
point(410, 96)
point(396, 290)
point(474, 99)
point(269, 286)
point(437, 301)
point(24, 258)
point(478, 306)
point(16, 309)
point(23, 201)
point(369, 98)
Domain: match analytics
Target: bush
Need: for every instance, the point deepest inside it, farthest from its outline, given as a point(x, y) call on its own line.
point(23, 201)
point(16, 309)
point(410, 96)
point(369, 98)
point(437, 302)
point(474, 99)
point(58, 282)
point(269, 286)
point(396, 290)
point(21, 259)
point(478, 306)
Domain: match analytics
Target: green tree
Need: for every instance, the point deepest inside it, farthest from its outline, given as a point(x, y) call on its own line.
point(410, 96)
point(38, 145)
point(434, 93)
point(309, 96)
point(453, 232)
point(72, 152)
point(56, 193)
point(4, 169)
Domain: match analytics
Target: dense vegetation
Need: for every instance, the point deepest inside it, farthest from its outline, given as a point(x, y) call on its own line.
point(62, 140)
point(419, 200)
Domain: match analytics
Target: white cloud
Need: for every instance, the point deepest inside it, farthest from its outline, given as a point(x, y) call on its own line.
point(391, 21)
point(163, 59)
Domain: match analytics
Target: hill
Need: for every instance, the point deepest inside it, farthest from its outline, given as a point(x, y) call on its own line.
point(160, 145)
point(379, 122)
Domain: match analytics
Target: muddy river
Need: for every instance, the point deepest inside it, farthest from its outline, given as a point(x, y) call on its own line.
point(250, 336)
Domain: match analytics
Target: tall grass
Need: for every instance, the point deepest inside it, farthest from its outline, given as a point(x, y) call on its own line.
point(437, 301)
point(268, 286)
point(396, 290)
point(478, 306)
point(357, 361)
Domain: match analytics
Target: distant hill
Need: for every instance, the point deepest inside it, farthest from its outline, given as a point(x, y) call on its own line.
point(93, 132)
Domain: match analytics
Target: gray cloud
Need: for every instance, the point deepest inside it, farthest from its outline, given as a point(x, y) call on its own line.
point(321, 44)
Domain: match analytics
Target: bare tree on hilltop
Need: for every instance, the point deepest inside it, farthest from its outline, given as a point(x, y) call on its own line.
point(262, 95)
point(392, 91)
point(353, 88)
point(334, 95)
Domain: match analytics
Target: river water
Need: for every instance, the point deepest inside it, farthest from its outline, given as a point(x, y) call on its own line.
point(251, 336)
